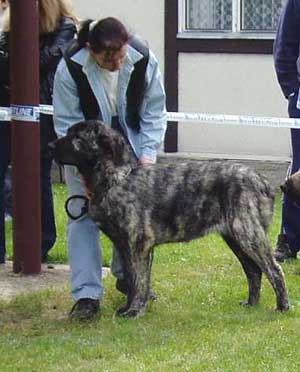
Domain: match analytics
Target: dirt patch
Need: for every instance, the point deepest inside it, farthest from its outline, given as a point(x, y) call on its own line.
point(12, 285)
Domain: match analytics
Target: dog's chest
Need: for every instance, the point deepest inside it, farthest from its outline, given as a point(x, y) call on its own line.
point(116, 211)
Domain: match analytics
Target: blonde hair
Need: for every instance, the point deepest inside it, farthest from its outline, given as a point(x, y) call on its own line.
point(50, 13)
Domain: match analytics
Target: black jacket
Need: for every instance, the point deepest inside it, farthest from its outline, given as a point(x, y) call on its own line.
point(52, 46)
point(286, 48)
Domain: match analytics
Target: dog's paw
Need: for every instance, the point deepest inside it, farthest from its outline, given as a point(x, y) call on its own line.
point(252, 301)
point(122, 310)
point(130, 313)
point(283, 308)
point(245, 303)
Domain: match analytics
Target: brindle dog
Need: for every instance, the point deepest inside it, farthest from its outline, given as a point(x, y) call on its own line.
point(141, 207)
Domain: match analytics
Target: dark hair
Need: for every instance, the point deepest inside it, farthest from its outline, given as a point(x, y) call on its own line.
point(105, 34)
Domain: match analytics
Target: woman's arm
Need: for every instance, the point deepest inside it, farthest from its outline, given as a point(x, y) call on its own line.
point(153, 113)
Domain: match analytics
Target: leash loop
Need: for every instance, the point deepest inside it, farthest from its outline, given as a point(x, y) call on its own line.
point(84, 209)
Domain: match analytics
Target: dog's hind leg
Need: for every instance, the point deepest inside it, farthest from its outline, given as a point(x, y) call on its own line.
point(275, 276)
point(254, 243)
point(251, 269)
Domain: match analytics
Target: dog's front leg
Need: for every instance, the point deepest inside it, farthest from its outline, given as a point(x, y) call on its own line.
point(129, 278)
point(140, 274)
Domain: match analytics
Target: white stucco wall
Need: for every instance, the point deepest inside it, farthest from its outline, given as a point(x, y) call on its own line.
point(231, 84)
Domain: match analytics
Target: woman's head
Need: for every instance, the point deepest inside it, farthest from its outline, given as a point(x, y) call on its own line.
point(106, 40)
point(50, 13)
point(3, 4)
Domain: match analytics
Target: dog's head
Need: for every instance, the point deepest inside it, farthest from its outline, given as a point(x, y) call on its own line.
point(88, 143)
point(291, 187)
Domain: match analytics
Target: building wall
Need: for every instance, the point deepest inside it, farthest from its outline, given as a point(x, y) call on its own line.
point(235, 84)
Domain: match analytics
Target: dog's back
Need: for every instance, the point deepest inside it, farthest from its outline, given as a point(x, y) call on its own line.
point(180, 202)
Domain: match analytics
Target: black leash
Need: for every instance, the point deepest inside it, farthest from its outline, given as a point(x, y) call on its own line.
point(84, 209)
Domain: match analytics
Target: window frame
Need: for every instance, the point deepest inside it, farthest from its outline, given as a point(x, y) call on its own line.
point(235, 33)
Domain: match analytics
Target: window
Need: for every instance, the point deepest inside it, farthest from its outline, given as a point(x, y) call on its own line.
point(229, 18)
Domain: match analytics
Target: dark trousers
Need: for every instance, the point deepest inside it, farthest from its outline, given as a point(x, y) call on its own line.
point(47, 212)
point(290, 212)
point(8, 195)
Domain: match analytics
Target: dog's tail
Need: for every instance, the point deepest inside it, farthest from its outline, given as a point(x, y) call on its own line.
point(266, 202)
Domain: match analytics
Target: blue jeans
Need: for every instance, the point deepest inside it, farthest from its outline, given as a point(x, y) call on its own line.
point(291, 213)
point(48, 221)
point(85, 255)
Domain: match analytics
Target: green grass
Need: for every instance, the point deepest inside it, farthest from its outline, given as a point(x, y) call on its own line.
point(196, 325)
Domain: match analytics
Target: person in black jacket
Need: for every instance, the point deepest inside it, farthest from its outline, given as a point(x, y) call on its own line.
point(286, 55)
point(57, 25)
point(3, 6)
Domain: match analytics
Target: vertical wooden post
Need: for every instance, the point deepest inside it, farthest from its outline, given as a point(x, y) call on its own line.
point(24, 64)
point(171, 71)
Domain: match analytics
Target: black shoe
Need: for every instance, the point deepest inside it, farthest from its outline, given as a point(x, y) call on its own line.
point(283, 250)
point(45, 261)
point(45, 258)
point(84, 309)
point(122, 287)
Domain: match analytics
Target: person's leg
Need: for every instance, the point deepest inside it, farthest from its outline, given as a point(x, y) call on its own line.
point(83, 245)
point(8, 194)
point(290, 212)
point(48, 219)
point(4, 162)
point(2, 211)
point(288, 243)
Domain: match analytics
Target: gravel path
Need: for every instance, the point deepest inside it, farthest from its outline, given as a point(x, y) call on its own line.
point(11, 284)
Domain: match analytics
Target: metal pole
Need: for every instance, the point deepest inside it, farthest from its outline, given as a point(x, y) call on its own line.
point(24, 67)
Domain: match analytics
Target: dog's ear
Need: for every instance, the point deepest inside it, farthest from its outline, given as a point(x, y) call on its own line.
point(111, 144)
point(113, 147)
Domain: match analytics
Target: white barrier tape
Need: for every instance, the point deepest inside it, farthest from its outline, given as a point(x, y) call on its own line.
point(217, 119)
point(46, 109)
point(5, 113)
point(220, 119)
point(25, 113)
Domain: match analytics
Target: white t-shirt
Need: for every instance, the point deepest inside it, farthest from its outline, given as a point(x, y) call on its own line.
point(109, 80)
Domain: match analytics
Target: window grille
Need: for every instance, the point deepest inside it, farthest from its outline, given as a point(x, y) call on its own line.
point(229, 18)
point(260, 15)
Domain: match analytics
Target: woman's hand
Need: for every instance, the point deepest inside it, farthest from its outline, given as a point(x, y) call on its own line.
point(144, 161)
